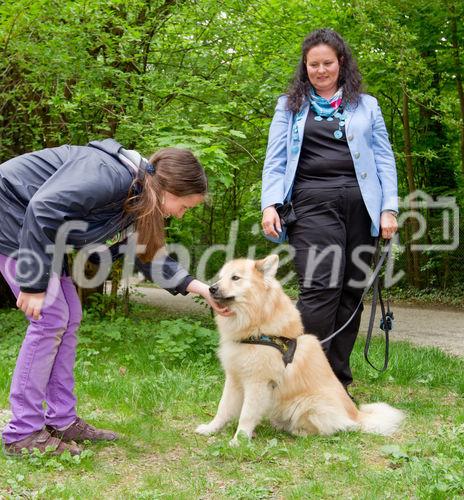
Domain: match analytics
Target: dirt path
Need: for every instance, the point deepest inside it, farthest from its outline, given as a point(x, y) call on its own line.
point(430, 327)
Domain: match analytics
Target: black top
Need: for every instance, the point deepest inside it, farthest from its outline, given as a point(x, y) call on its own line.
point(324, 160)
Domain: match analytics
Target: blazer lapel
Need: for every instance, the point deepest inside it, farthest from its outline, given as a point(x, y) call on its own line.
point(301, 120)
point(349, 112)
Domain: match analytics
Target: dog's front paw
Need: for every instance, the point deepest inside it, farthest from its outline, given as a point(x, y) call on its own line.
point(241, 437)
point(205, 429)
point(234, 443)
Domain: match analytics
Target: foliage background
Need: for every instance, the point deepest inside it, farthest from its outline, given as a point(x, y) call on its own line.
point(206, 74)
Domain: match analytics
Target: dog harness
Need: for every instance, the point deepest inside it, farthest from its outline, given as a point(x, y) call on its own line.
point(285, 345)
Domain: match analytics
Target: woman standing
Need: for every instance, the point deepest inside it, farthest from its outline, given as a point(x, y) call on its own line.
point(109, 191)
point(329, 153)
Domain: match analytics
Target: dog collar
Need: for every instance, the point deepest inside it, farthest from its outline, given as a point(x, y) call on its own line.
point(285, 345)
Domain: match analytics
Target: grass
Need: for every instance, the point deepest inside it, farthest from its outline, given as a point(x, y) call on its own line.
point(154, 379)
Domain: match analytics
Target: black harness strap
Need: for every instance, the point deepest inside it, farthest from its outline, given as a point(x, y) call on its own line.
point(285, 345)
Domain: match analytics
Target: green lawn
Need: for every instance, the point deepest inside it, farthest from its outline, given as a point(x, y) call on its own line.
point(154, 378)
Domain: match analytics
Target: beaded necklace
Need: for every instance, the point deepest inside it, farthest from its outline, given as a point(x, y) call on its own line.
point(338, 134)
point(329, 109)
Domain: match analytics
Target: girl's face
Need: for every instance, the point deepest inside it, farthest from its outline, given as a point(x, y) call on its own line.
point(323, 69)
point(176, 206)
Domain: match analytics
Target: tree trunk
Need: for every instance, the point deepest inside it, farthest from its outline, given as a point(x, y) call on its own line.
point(414, 278)
point(85, 293)
point(438, 173)
point(458, 72)
point(7, 299)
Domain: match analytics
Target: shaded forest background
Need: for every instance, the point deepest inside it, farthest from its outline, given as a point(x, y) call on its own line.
point(205, 75)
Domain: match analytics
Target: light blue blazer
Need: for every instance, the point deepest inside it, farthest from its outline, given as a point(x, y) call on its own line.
point(370, 149)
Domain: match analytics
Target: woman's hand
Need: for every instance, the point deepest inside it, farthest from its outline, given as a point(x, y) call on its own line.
point(31, 303)
point(271, 222)
point(388, 225)
point(202, 289)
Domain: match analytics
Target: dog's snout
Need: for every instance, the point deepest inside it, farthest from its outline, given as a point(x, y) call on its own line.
point(213, 289)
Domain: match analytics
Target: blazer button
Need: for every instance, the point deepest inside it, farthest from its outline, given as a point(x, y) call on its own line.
point(363, 175)
point(350, 137)
point(357, 155)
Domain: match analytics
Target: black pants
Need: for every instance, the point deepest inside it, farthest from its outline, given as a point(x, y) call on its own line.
point(331, 224)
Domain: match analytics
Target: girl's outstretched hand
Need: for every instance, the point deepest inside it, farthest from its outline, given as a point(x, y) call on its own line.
point(31, 303)
point(202, 289)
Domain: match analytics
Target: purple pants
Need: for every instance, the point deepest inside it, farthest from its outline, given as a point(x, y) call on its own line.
point(45, 365)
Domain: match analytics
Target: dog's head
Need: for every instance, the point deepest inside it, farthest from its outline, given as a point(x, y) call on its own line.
point(245, 282)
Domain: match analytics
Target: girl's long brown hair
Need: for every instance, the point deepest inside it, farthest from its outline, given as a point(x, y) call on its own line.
point(176, 171)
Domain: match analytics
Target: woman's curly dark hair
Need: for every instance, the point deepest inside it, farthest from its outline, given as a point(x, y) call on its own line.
point(349, 76)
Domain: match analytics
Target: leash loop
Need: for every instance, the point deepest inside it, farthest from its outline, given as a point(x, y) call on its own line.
point(386, 323)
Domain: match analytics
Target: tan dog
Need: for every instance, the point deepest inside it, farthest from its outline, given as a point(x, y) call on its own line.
point(304, 397)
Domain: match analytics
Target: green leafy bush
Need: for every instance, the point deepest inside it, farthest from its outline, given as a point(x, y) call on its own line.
point(172, 340)
point(178, 340)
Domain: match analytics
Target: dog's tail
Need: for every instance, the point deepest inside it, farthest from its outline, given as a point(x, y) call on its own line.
point(380, 418)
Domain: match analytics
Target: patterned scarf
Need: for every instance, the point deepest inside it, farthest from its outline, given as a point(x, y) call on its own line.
point(325, 107)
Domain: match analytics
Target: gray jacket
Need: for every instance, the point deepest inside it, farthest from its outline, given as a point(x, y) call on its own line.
point(39, 191)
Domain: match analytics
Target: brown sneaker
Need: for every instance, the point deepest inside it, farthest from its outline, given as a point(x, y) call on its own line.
point(80, 431)
point(41, 440)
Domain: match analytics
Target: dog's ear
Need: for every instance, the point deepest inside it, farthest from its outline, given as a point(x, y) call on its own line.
point(268, 266)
